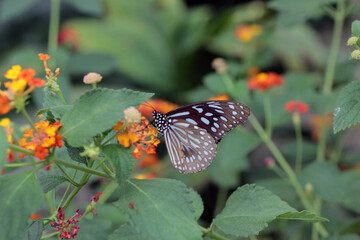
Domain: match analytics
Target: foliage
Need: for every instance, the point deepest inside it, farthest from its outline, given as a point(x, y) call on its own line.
point(292, 171)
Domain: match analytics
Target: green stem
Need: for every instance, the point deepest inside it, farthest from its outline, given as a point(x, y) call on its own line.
point(20, 149)
point(69, 179)
point(23, 164)
point(267, 110)
point(105, 168)
point(54, 26)
point(66, 191)
point(26, 115)
point(48, 200)
point(321, 147)
point(339, 17)
point(50, 235)
point(211, 234)
point(287, 169)
point(111, 138)
point(220, 200)
point(83, 169)
point(299, 141)
point(107, 192)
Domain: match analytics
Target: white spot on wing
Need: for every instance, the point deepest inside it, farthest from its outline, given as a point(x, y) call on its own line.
point(204, 120)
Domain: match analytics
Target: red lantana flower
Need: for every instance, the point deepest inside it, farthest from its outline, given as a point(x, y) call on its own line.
point(69, 37)
point(296, 106)
point(41, 144)
point(67, 228)
point(94, 200)
point(263, 81)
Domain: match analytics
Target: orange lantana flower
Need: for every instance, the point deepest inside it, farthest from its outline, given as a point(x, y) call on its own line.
point(148, 161)
point(41, 144)
point(141, 136)
point(220, 97)
point(262, 81)
point(148, 107)
point(319, 122)
point(246, 33)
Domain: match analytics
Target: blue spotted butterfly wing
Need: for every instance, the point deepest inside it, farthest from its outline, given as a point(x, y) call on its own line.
point(191, 132)
point(191, 149)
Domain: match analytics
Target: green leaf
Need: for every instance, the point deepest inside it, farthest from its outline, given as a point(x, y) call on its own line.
point(122, 37)
point(231, 159)
point(96, 111)
point(303, 215)
point(326, 180)
point(249, 210)
point(34, 230)
point(82, 63)
point(333, 185)
point(20, 195)
point(197, 203)
point(94, 229)
point(51, 99)
point(50, 179)
point(122, 160)
point(3, 146)
point(346, 112)
point(215, 83)
point(166, 202)
point(355, 28)
point(293, 12)
point(111, 213)
point(12, 8)
point(343, 237)
point(93, 7)
point(74, 153)
point(126, 231)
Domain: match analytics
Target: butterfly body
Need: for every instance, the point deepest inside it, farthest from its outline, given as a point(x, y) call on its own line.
point(191, 132)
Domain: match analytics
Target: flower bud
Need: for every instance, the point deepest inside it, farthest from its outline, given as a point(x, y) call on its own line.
point(92, 77)
point(355, 55)
point(91, 151)
point(132, 115)
point(352, 41)
point(270, 162)
point(309, 189)
point(220, 66)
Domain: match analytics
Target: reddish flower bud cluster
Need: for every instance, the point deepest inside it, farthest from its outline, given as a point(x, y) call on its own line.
point(263, 81)
point(40, 141)
point(67, 228)
point(296, 106)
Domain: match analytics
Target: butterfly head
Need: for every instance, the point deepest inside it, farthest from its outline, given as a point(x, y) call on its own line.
point(160, 121)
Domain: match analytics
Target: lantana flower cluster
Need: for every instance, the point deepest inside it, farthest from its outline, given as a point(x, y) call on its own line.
point(247, 32)
point(263, 81)
point(67, 227)
point(42, 140)
point(21, 83)
point(136, 132)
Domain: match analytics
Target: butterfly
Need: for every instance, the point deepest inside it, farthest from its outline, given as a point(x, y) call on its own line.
point(191, 132)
